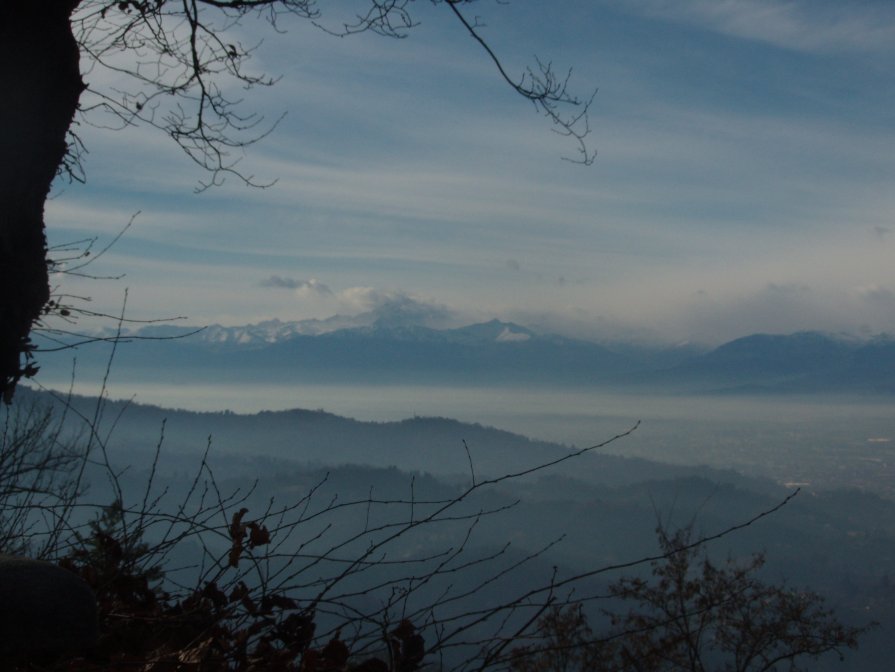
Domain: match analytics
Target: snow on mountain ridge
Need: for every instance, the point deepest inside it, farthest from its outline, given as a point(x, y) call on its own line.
point(510, 336)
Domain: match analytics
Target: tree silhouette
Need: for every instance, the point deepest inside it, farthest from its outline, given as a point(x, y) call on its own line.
point(176, 59)
point(694, 615)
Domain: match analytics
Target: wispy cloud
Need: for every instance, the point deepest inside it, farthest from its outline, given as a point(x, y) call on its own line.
point(312, 286)
point(797, 25)
point(878, 296)
point(768, 187)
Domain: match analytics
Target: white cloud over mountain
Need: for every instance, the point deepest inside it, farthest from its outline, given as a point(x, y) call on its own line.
point(312, 286)
point(396, 308)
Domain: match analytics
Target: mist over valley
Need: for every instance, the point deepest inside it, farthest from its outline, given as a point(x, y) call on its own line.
point(705, 461)
point(720, 435)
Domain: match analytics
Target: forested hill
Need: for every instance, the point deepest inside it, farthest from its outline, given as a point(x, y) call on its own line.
point(420, 444)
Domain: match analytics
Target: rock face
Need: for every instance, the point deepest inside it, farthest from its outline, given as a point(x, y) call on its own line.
point(44, 609)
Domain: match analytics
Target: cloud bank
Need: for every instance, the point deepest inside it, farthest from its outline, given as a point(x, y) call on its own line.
point(312, 286)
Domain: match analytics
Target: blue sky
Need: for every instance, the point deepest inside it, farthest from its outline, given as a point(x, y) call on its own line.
point(743, 181)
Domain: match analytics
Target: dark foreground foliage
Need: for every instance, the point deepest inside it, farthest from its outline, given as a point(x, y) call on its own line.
point(692, 615)
point(230, 627)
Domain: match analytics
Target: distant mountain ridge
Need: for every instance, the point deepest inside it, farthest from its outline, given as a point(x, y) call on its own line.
point(493, 351)
point(800, 362)
point(367, 349)
point(433, 445)
point(258, 334)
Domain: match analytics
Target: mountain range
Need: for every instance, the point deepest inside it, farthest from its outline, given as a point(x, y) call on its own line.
point(364, 350)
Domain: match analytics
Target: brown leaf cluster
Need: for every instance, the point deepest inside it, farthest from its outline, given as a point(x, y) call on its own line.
point(243, 536)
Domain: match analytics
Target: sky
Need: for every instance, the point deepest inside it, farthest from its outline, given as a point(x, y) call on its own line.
point(742, 182)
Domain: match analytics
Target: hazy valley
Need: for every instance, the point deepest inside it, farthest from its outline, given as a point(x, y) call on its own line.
point(805, 408)
point(724, 434)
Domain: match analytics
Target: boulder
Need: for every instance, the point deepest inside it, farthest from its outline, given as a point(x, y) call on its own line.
point(44, 609)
